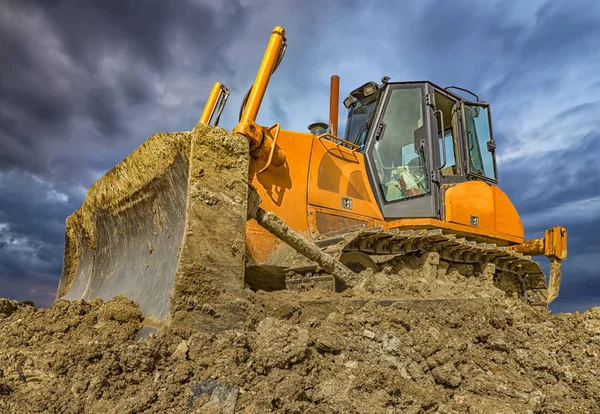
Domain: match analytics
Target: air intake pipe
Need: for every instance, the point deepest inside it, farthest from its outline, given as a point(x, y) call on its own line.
point(318, 128)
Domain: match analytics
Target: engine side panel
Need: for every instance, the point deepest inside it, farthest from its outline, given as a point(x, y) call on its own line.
point(484, 207)
point(283, 191)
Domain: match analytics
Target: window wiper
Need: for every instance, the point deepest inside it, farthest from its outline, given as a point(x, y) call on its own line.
point(364, 127)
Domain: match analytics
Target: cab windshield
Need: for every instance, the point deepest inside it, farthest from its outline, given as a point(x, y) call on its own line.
point(359, 117)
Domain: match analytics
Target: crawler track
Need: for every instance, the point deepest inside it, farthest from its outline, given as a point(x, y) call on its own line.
point(516, 274)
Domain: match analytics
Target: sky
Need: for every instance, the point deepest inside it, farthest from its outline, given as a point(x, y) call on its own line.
point(84, 82)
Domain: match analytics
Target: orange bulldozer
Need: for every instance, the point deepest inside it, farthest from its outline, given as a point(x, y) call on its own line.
point(190, 219)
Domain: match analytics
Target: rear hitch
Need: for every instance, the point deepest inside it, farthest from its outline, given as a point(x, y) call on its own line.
point(554, 246)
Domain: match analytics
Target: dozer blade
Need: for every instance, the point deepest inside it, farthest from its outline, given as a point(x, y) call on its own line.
point(166, 227)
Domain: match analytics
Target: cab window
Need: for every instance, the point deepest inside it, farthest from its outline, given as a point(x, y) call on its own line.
point(479, 138)
point(448, 144)
point(358, 120)
point(446, 120)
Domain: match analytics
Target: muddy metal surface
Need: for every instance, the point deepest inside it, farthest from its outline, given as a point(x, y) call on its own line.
point(362, 351)
point(166, 228)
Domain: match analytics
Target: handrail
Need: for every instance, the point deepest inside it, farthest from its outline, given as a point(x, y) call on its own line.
point(273, 146)
point(443, 137)
point(342, 141)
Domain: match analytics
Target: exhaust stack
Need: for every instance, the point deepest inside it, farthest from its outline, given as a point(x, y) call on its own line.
point(334, 101)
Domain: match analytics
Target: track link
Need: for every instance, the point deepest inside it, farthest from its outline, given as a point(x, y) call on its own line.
point(516, 274)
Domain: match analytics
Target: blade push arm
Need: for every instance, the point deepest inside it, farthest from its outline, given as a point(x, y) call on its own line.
point(277, 226)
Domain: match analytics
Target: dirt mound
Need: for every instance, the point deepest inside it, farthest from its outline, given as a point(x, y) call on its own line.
point(8, 307)
point(308, 352)
point(428, 277)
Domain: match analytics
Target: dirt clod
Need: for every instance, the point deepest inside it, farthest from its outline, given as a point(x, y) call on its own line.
point(315, 351)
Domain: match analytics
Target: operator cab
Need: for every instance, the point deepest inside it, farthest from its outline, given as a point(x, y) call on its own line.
point(416, 137)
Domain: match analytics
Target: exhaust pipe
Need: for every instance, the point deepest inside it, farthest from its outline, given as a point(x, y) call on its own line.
point(334, 99)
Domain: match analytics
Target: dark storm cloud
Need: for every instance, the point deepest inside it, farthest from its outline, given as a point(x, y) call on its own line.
point(73, 75)
point(54, 57)
point(578, 294)
point(95, 27)
point(100, 102)
point(562, 29)
point(562, 187)
point(31, 231)
point(148, 30)
point(538, 184)
point(24, 197)
point(30, 207)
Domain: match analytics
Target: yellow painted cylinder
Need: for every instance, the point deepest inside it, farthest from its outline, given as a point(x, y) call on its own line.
point(264, 73)
point(211, 103)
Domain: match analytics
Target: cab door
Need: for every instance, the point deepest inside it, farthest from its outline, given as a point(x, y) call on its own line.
point(401, 154)
point(479, 141)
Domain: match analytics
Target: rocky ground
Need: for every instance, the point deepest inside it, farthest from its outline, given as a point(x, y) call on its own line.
point(313, 352)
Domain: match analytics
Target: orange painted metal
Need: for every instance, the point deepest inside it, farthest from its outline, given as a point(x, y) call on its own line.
point(307, 192)
point(260, 244)
point(553, 244)
point(337, 172)
point(263, 75)
point(334, 102)
point(211, 103)
point(274, 150)
point(339, 141)
point(324, 220)
point(283, 190)
point(262, 145)
point(533, 247)
point(319, 183)
point(487, 206)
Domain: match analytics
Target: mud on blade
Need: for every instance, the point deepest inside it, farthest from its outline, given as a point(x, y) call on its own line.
point(165, 227)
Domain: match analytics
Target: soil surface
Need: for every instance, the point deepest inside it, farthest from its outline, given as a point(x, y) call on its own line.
point(362, 351)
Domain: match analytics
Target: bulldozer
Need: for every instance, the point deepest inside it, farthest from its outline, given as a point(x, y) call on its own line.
point(189, 220)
